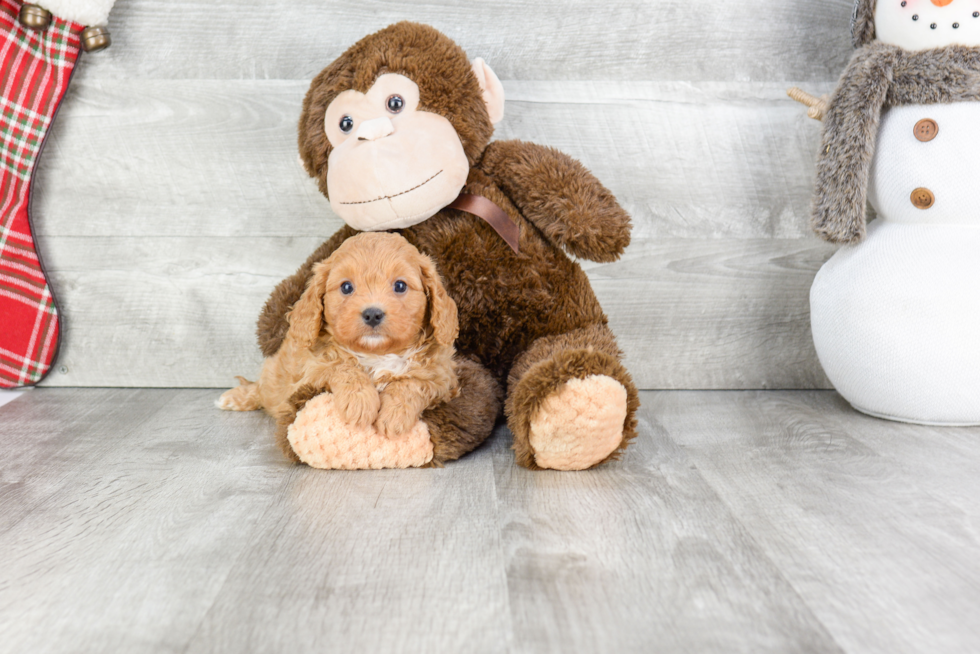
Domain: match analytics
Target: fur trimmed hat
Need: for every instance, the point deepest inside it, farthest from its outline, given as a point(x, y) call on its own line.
point(863, 22)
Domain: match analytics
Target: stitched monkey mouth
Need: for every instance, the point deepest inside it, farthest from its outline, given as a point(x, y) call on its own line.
point(388, 197)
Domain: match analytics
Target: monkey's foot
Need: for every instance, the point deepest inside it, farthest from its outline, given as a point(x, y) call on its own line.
point(580, 424)
point(321, 439)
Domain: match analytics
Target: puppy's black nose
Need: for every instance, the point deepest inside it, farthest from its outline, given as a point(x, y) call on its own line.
point(373, 316)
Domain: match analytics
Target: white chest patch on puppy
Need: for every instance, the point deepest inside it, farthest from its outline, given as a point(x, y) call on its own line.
point(383, 368)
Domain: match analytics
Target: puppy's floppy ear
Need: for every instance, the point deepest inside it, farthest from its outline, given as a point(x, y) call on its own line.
point(306, 317)
point(442, 309)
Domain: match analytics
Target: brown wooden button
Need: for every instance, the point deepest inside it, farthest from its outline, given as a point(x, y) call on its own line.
point(923, 198)
point(926, 129)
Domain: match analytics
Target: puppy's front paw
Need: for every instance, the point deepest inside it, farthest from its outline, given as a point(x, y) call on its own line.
point(393, 419)
point(358, 406)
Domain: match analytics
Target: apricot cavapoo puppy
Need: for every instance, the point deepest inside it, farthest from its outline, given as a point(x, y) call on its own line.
point(374, 327)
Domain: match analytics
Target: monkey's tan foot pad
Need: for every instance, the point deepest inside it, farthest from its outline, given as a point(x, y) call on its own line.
point(322, 440)
point(580, 424)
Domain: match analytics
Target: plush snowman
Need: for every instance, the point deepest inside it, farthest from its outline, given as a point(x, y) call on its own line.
point(896, 311)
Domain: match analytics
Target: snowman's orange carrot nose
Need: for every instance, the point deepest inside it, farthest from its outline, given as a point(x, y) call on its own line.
point(941, 3)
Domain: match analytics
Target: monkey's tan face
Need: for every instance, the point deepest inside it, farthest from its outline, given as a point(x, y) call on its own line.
point(925, 24)
point(392, 165)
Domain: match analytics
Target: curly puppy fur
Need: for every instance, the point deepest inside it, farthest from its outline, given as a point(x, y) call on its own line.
point(386, 373)
point(878, 76)
point(507, 301)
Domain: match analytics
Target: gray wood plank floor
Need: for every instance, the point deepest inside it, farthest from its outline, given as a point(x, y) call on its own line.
point(137, 520)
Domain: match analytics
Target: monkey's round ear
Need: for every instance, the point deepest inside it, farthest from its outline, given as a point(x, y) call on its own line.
point(493, 90)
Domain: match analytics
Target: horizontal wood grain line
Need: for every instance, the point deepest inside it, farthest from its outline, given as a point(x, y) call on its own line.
point(550, 39)
point(181, 311)
point(219, 158)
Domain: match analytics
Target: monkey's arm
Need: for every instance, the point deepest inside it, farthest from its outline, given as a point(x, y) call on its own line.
point(561, 198)
point(273, 325)
point(847, 148)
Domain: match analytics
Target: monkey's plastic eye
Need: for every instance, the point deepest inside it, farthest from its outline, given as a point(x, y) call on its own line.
point(400, 286)
point(395, 104)
point(346, 124)
point(346, 288)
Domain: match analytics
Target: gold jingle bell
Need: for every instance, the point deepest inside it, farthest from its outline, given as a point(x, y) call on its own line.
point(95, 38)
point(34, 17)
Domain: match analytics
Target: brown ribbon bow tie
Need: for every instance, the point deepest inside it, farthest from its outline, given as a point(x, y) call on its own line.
point(494, 215)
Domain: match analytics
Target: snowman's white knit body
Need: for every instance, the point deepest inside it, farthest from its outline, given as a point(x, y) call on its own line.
point(896, 317)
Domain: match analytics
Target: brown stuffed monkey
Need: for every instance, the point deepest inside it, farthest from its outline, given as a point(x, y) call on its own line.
point(393, 131)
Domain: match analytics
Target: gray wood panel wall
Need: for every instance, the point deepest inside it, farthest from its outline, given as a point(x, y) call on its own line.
point(170, 200)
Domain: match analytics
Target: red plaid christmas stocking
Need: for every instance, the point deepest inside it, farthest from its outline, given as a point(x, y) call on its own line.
point(35, 68)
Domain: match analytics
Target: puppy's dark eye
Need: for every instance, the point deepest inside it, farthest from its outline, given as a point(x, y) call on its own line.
point(400, 286)
point(395, 104)
point(346, 288)
point(346, 124)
